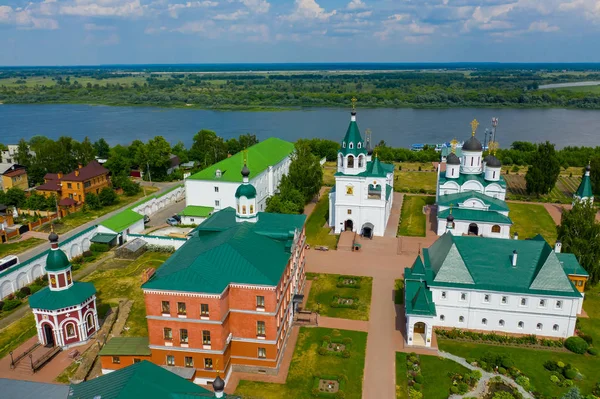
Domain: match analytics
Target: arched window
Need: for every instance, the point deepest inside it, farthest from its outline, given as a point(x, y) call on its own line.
point(461, 319)
point(494, 175)
point(251, 209)
point(341, 161)
point(539, 326)
point(90, 321)
point(350, 161)
point(484, 321)
point(501, 323)
point(495, 229)
point(70, 328)
point(359, 145)
point(442, 317)
point(351, 146)
point(243, 209)
point(472, 159)
point(218, 173)
point(521, 324)
point(360, 161)
point(555, 327)
point(344, 145)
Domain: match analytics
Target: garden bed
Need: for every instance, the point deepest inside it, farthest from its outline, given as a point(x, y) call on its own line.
point(530, 341)
point(325, 291)
point(344, 302)
point(349, 282)
point(329, 386)
point(335, 345)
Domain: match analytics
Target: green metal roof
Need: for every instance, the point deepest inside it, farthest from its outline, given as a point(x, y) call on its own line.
point(140, 380)
point(259, 157)
point(47, 299)
point(123, 346)
point(463, 178)
point(103, 238)
point(476, 216)
point(198, 211)
point(353, 136)
point(57, 260)
point(570, 265)
point(418, 299)
point(122, 220)
point(494, 204)
point(585, 188)
point(374, 168)
point(486, 264)
point(222, 251)
point(245, 190)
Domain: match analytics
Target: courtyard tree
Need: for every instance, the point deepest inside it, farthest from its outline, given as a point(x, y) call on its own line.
point(102, 148)
point(306, 173)
point(544, 170)
point(207, 148)
point(580, 235)
point(595, 175)
point(108, 196)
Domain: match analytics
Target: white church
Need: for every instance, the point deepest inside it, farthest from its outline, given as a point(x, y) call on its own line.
point(471, 192)
point(361, 200)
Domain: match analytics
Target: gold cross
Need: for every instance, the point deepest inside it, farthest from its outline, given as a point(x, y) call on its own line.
point(245, 156)
point(354, 100)
point(493, 147)
point(453, 144)
point(474, 125)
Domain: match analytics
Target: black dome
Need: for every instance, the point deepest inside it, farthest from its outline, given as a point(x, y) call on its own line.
point(245, 171)
point(452, 159)
point(450, 218)
point(218, 384)
point(493, 162)
point(53, 237)
point(472, 145)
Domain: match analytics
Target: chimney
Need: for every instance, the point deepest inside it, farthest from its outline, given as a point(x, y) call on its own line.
point(79, 166)
point(77, 172)
point(558, 247)
point(60, 175)
point(516, 236)
point(514, 258)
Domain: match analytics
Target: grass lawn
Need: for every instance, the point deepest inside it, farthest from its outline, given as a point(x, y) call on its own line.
point(591, 305)
point(414, 166)
point(324, 288)
point(329, 170)
point(423, 182)
point(399, 291)
point(435, 371)
point(16, 333)
point(18, 247)
point(531, 219)
point(531, 363)
point(401, 382)
point(306, 363)
point(316, 233)
point(120, 279)
point(413, 222)
point(78, 218)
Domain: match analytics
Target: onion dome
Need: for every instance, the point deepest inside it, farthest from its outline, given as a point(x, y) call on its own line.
point(245, 171)
point(450, 218)
point(245, 190)
point(452, 159)
point(218, 384)
point(53, 237)
point(57, 260)
point(493, 162)
point(472, 145)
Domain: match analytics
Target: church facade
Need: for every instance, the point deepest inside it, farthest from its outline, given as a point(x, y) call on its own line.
point(471, 193)
point(361, 200)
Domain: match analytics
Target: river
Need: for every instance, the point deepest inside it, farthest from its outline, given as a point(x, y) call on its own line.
point(398, 127)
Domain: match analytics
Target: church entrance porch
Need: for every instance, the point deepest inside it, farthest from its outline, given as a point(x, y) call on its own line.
point(473, 229)
point(348, 225)
point(367, 230)
point(419, 334)
point(48, 335)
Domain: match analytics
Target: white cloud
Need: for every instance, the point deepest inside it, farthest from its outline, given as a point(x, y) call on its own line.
point(234, 16)
point(257, 6)
point(364, 14)
point(25, 19)
point(251, 32)
point(152, 30)
point(309, 10)
point(589, 8)
point(103, 8)
point(421, 29)
point(542, 26)
point(92, 27)
point(356, 5)
point(173, 9)
point(204, 28)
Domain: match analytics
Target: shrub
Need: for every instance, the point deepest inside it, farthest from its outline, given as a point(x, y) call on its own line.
point(463, 388)
point(507, 362)
point(414, 394)
point(340, 395)
point(484, 366)
point(20, 295)
point(551, 365)
point(315, 392)
point(586, 338)
point(167, 249)
point(347, 341)
point(502, 395)
point(96, 247)
point(453, 389)
point(560, 364)
point(346, 354)
point(523, 381)
point(327, 338)
point(336, 333)
point(1, 304)
point(554, 379)
point(322, 351)
point(593, 351)
point(470, 360)
point(417, 386)
point(419, 378)
point(502, 370)
point(570, 374)
point(10, 304)
point(26, 291)
point(576, 345)
point(35, 288)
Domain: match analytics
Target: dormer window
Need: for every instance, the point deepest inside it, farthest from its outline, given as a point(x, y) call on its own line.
point(358, 145)
point(351, 146)
point(343, 145)
point(218, 173)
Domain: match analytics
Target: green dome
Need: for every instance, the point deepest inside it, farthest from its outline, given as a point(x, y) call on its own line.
point(245, 190)
point(57, 261)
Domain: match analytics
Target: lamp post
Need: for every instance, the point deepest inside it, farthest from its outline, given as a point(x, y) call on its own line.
point(12, 362)
point(318, 311)
point(494, 125)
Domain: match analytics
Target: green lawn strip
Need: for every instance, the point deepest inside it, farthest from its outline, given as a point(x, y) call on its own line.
point(324, 288)
point(531, 363)
point(401, 381)
point(416, 182)
point(14, 248)
point(591, 305)
point(307, 363)
point(530, 220)
point(413, 222)
point(435, 372)
point(316, 234)
point(117, 280)
point(399, 292)
point(12, 336)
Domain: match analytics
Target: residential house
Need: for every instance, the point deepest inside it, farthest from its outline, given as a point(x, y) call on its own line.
point(13, 176)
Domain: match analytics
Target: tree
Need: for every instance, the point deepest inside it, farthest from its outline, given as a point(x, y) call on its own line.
point(92, 201)
point(84, 152)
point(503, 395)
point(3, 147)
point(207, 148)
point(306, 173)
point(156, 155)
point(543, 173)
point(595, 175)
point(580, 235)
point(36, 201)
point(119, 161)
point(572, 393)
point(247, 140)
point(108, 196)
point(22, 157)
point(180, 150)
point(102, 148)
point(276, 204)
point(15, 197)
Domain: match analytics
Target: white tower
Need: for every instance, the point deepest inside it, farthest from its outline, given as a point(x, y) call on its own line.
point(245, 198)
point(472, 152)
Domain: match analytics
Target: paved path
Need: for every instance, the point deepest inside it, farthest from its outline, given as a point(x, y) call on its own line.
point(391, 230)
point(43, 246)
point(308, 208)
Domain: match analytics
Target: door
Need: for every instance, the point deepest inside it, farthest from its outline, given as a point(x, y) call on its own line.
point(348, 225)
point(49, 335)
point(420, 328)
point(473, 229)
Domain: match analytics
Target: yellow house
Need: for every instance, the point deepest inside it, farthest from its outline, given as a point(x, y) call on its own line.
point(13, 175)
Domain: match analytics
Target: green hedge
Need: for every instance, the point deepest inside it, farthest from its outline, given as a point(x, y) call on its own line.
point(96, 247)
point(576, 345)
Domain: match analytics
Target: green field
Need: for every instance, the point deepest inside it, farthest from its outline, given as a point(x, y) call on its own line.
point(413, 222)
point(401, 380)
point(561, 193)
point(415, 182)
point(306, 364)
point(12, 336)
point(12, 248)
point(580, 89)
point(316, 231)
point(324, 288)
point(435, 371)
point(591, 305)
point(530, 220)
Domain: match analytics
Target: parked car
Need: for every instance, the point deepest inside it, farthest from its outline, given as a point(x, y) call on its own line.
point(146, 219)
point(172, 221)
point(177, 217)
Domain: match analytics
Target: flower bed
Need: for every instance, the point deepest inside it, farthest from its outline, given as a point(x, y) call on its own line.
point(348, 282)
point(329, 386)
point(502, 364)
point(335, 346)
point(562, 374)
point(526, 340)
point(343, 302)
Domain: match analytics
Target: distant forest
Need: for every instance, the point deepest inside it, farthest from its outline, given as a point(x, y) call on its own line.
point(492, 87)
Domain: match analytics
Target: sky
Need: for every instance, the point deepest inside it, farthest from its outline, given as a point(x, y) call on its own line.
point(93, 32)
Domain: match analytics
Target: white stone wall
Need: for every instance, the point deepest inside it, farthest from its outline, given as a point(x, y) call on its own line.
point(192, 220)
point(154, 205)
point(410, 334)
point(474, 308)
point(471, 162)
point(203, 193)
point(485, 229)
point(159, 240)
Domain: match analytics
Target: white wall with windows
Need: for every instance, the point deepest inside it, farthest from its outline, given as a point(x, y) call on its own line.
point(461, 227)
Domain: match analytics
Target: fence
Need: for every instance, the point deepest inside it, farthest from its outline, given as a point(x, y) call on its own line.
point(41, 221)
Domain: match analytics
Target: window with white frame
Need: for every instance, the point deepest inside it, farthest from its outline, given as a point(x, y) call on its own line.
point(70, 328)
point(170, 360)
point(504, 300)
point(559, 304)
point(542, 303)
point(463, 296)
point(555, 327)
point(444, 295)
point(217, 203)
point(501, 323)
point(539, 326)
point(461, 319)
point(442, 317)
point(484, 321)
point(262, 353)
point(216, 189)
point(486, 298)
point(523, 301)
point(521, 324)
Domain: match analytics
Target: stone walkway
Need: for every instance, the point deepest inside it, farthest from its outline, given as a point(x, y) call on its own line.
point(485, 378)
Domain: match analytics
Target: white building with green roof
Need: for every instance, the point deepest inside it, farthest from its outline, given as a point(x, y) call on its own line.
point(214, 188)
point(584, 191)
point(471, 192)
point(362, 197)
point(494, 285)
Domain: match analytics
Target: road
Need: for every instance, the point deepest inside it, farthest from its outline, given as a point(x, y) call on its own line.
point(44, 246)
point(160, 217)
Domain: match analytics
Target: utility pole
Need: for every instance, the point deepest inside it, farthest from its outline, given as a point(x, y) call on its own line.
point(494, 125)
point(149, 175)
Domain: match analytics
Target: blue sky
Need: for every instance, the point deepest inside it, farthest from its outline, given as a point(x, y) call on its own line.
point(78, 32)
